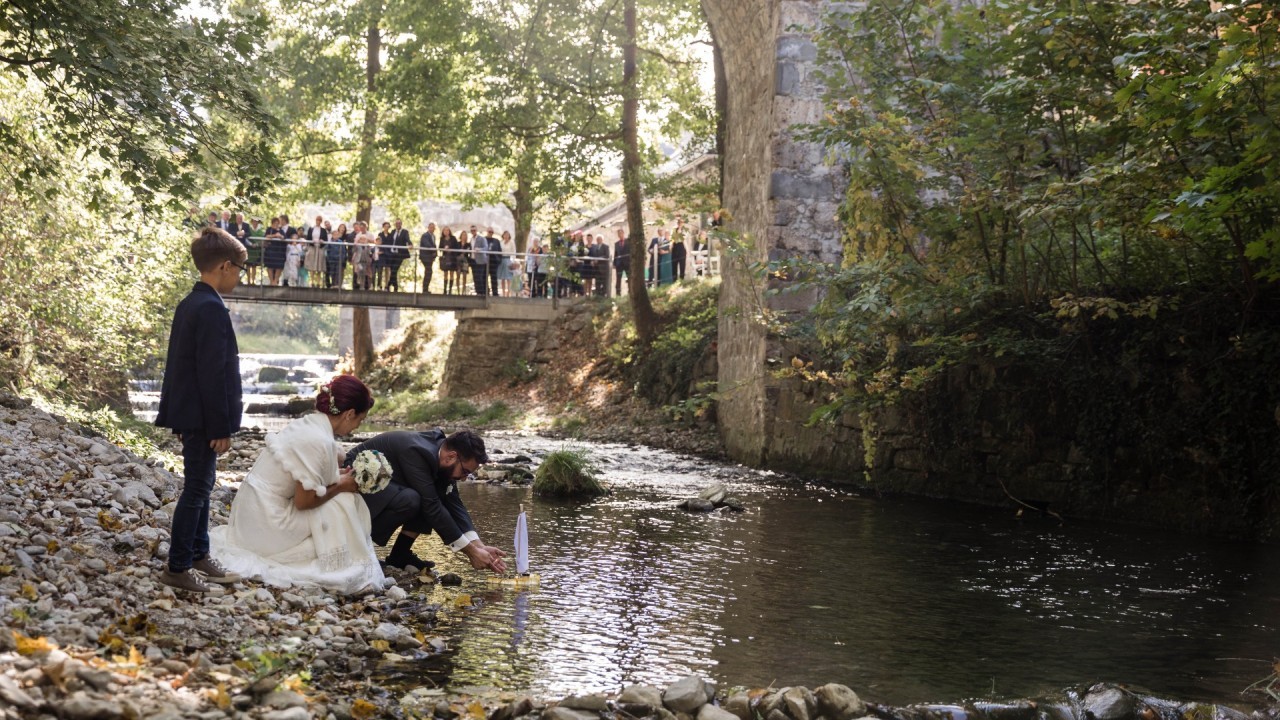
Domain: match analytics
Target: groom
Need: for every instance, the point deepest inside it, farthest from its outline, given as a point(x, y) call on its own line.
point(423, 495)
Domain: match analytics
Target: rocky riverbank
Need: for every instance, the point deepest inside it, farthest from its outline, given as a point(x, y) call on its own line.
point(90, 633)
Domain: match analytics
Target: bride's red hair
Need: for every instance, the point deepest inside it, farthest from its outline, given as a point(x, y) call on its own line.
point(343, 393)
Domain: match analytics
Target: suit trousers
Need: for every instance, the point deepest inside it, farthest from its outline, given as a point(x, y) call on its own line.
point(189, 534)
point(398, 506)
point(427, 266)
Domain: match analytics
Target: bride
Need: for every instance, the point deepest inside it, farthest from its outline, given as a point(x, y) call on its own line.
point(297, 519)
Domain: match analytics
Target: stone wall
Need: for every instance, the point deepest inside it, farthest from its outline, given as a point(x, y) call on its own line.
point(782, 198)
point(489, 344)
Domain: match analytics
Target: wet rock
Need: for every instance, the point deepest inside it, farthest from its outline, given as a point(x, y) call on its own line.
point(838, 702)
point(739, 704)
point(1021, 710)
point(697, 505)
point(564, 713)
point(450, 580)
point(396, 593)
point(594, 703)
point(1108, 702)
point(646, 695)
point(711, 712)
point(800, 703)
point(714, 493)
point(686, 694)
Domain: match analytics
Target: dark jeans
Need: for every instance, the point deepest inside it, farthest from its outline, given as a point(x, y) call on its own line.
point(479, 275)
point(493, 275)
point(678, 255)
point(189, 534)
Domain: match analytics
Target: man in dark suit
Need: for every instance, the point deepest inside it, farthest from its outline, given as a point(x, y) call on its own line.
point(200, 401)
point(621, 260)
point(495, 260)
point(427, 255)
point(399, 250)
point(423, 495)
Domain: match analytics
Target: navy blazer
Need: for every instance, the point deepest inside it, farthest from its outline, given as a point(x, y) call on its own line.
point(201, 389)
point(415, 463)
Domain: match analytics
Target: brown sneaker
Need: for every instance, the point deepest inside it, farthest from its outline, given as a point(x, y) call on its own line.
point(214, 572)
point(188, 580)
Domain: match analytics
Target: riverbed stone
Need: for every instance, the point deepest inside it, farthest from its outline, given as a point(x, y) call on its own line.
point(641, 695)
point(593, 703)
point(711, 712)
point(838, 702)
point(714, 493)
point(686, 694)
point(82, 707)
point(1108, 702)
point(800, 703)
point(293, 713)
point(564, 713)
point(739, 704)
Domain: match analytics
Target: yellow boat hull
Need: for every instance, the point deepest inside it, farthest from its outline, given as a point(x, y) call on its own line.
point(524, 581)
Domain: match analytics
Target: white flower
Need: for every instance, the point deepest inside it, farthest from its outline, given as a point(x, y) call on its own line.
point(372, 471)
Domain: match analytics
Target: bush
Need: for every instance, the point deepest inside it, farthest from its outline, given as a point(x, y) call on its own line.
point(568, 473)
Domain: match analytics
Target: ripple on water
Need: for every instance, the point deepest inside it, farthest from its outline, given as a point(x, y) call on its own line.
point(904, 601)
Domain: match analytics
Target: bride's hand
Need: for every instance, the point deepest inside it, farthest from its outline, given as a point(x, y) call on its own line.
point(346, 482)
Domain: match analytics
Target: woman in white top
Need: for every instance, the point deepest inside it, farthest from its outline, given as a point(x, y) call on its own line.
point(504, 268)
point(297, 518)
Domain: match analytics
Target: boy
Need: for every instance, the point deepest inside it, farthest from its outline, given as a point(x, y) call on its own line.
point(200, 401)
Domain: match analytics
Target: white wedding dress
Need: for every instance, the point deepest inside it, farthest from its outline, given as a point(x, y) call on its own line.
point(269, 539)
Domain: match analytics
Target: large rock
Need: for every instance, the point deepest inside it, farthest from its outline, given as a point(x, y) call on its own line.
point(1108, 702)
point(800, 703)
point(711, 712)
point(641, 695)
point(136, 491)
point(714, 493)
point(564, 713)
point(739, 704)
point(838, 702)
point(686, 694)
point(83, 707)
point(697, 505)
point(593, 703)
point(272, 374)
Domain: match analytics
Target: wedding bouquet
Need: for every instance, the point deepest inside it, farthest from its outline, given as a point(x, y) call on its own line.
point(372, 471)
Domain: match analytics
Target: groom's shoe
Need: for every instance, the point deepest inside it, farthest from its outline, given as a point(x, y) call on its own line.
point(397, 560)
point(214, 572)
point(188, 580)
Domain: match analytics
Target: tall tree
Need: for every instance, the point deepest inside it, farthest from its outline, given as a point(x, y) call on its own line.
point(642, 309)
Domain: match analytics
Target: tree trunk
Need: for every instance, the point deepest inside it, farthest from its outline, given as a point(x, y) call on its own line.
point(641, 308)
point(522, 210)
point(722, 109)
point(361, 330)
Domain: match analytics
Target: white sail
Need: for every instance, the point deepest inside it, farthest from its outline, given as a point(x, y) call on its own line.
point(522, 545)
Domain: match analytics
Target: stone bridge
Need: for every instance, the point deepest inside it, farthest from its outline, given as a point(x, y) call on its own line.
point(783, 200)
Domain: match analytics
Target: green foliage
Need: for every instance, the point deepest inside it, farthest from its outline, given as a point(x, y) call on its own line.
point(698, 407)
point(568, 423)
point(1019, 170)
point(416, 411)
point(667, 371)
point(519, 371)
point(305, 329)
point(568, 473)
point(155, 93)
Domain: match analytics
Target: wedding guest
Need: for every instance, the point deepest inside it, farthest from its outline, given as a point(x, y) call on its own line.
point(599, 254)
point(397, 249)
point(496, 260)
point(335, 257)
point(479, 258)
point(427, 255)
point(423, 495)
point(315, 260)
point(200, 400)
point(380, 257)
point(362, 257)
point(679, 251)
point(621, 261)
point(510, 272)
point(297, 519)
point(253, 243)
point(449, 258)
point(294, 254)
point(274, 251)
point(533, 264)
point(701, 254)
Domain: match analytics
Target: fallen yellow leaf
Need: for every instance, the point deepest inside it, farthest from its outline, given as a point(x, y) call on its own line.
point(108, 521)
point(221, 698)
point(380, 645)
point(29, 591)
point(362, 709)
point(31, 646)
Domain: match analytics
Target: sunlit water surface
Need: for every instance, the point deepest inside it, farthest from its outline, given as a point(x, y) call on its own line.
point(903, 600)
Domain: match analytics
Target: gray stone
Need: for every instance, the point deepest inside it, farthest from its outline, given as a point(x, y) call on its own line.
point(564, 713)
point(14, 695)
point(797, 47)
point(1108, 702)
point(788, 78)
point(711, 712)
point(714, 492)
point(800, 703)
point(594, 703)
point(686, 694)
point(293, 713)
point(838, 702)
point(739, 704)
point(83, 707)
point(281, 699)
point(641, 695)
point(697, 505)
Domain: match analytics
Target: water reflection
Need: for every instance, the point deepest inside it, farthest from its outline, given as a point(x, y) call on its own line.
point(904, 601)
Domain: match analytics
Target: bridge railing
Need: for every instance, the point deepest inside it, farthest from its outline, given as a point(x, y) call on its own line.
point(533, 275)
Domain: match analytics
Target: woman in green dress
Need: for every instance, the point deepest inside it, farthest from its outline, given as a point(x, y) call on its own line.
point(253, 243)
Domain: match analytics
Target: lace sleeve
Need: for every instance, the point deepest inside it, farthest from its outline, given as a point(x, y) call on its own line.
point(307, 453)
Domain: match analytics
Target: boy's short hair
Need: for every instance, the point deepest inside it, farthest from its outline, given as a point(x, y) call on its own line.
point(214, 246)
point(468, 445)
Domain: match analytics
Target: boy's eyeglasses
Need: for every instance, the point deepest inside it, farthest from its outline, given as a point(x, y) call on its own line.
point(243, 269)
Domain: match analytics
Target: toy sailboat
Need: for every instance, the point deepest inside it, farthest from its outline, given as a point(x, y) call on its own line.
point(523, 578)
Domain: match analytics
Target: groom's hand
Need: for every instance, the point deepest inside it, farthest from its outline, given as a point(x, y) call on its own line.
point(220, 445)
point(483, 556)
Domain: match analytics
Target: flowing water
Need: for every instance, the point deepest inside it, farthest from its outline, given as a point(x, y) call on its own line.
point(903, 600)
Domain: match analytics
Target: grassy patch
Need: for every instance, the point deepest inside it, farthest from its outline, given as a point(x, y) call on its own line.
point(568, 473)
